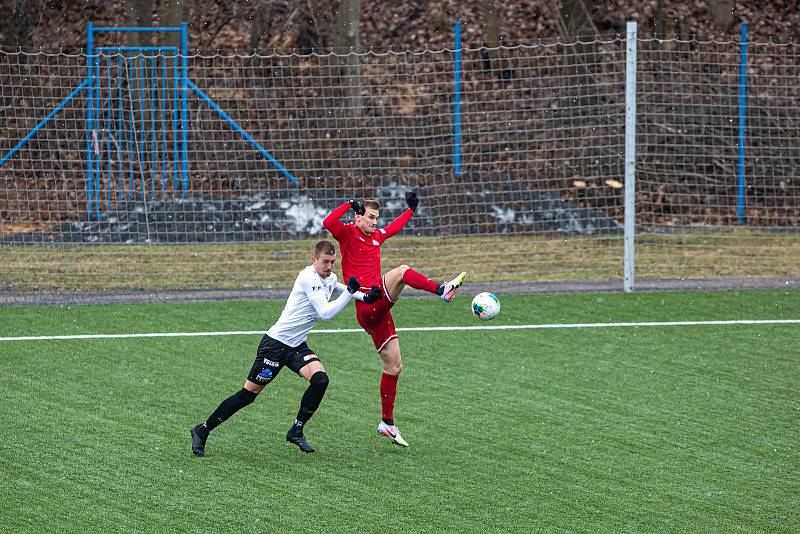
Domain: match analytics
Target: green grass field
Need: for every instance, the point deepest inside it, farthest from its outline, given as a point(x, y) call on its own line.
point(607, 429)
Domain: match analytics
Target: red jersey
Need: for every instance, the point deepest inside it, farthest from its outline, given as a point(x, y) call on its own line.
point(361, 253)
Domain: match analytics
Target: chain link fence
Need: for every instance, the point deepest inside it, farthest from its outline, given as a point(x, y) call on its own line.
point(516, 152)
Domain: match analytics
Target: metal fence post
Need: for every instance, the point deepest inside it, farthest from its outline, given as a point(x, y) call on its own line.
point(630, 158)
point(457, 100)
point(742, 123)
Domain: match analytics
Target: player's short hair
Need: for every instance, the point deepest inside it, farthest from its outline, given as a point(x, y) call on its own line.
point(324, 247)
point(370, 203)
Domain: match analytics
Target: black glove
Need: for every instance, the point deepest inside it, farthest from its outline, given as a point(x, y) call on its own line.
point(373, 295)
point(357, 206)
point(353, 285)
point(412, 200)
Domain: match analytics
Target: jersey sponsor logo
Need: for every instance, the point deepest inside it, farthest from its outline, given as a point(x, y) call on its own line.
point(265, 375)
point(316, 288)
point(271, 363)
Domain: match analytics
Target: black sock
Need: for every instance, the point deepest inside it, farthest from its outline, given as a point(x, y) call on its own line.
point(228, 407)
point(311, 398)
point(389, 422)
point(440, 289)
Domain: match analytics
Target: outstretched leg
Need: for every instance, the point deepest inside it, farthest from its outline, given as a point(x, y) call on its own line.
point(399, 277)
point(228, 407)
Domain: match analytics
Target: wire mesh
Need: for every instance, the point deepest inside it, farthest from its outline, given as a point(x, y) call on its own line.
point(274, 142)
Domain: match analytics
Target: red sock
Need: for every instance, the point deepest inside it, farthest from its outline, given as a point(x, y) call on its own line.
point(419, 281)
point(388, 393)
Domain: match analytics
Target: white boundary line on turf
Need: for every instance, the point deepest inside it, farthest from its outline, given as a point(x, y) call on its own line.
point(416, 329)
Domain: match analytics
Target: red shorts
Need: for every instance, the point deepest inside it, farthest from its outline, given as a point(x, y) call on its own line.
point(376, 319)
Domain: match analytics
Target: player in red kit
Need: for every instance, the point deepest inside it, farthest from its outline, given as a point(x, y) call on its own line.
point(360, 243)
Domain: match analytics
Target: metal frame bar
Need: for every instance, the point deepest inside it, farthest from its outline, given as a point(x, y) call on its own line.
point(162, 107)
point(239, 129)
point(44, 121)
point(629, 281)
point(457, 100)
point(740, 186)
point(175, 117)
point(165, 29)
point(153, 155)
point(184, 110)
point(120, 123)
point(90, 120)
point(109, 122)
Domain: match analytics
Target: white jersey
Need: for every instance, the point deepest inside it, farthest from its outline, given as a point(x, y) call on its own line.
point(309, 302)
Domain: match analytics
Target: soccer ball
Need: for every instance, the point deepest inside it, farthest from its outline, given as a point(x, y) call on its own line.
point(486, 306)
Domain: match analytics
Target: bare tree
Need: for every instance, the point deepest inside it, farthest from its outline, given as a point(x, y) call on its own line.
point(20, 25)
point(346, 41)
point(659, 19)
point(170, 13)
point(721, 14)
point(492, 34)
point(259, 20)
point(575, 20)
point(348, 26)
point(139, 13)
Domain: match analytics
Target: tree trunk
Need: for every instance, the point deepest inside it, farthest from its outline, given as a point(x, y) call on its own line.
point(170, 14)
point(576, 26)
point(139, 13)
point(721, 14)
point(576, 20)
point(659, 19)
point(492, 34)
point(346, 41)
point(19, 24)
point(257, 30)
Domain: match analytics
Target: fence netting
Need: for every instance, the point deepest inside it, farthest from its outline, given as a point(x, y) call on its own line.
point(148, 179)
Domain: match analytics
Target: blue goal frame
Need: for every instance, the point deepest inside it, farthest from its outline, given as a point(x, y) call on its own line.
point(182, 84)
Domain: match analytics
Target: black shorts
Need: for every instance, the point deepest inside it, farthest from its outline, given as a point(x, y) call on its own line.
point(272, 355)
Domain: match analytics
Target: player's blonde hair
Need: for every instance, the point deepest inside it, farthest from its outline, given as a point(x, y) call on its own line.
point(324, 247)
point(371, 203)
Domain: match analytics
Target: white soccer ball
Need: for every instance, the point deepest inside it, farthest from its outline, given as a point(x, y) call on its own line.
point(486, 306)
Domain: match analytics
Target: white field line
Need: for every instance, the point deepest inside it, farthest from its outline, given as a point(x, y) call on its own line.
point(417, 329)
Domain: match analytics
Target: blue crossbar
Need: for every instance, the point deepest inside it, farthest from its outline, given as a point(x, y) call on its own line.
point(136, 29)
point(137, 48)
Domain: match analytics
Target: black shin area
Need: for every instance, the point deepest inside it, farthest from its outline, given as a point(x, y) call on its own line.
point(230, 406)
point(313, 396)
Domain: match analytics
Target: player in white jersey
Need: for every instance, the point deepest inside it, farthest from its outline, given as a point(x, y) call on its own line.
point(316, 295)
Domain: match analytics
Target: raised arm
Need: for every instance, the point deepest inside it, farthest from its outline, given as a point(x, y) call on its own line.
point(396, 225)
point(332, 222)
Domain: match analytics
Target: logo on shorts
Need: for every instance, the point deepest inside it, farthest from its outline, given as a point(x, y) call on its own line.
point(309, 357)
point(271, 363)
point(264, 375)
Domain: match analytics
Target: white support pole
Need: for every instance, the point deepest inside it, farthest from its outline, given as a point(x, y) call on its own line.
point(630, 157)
